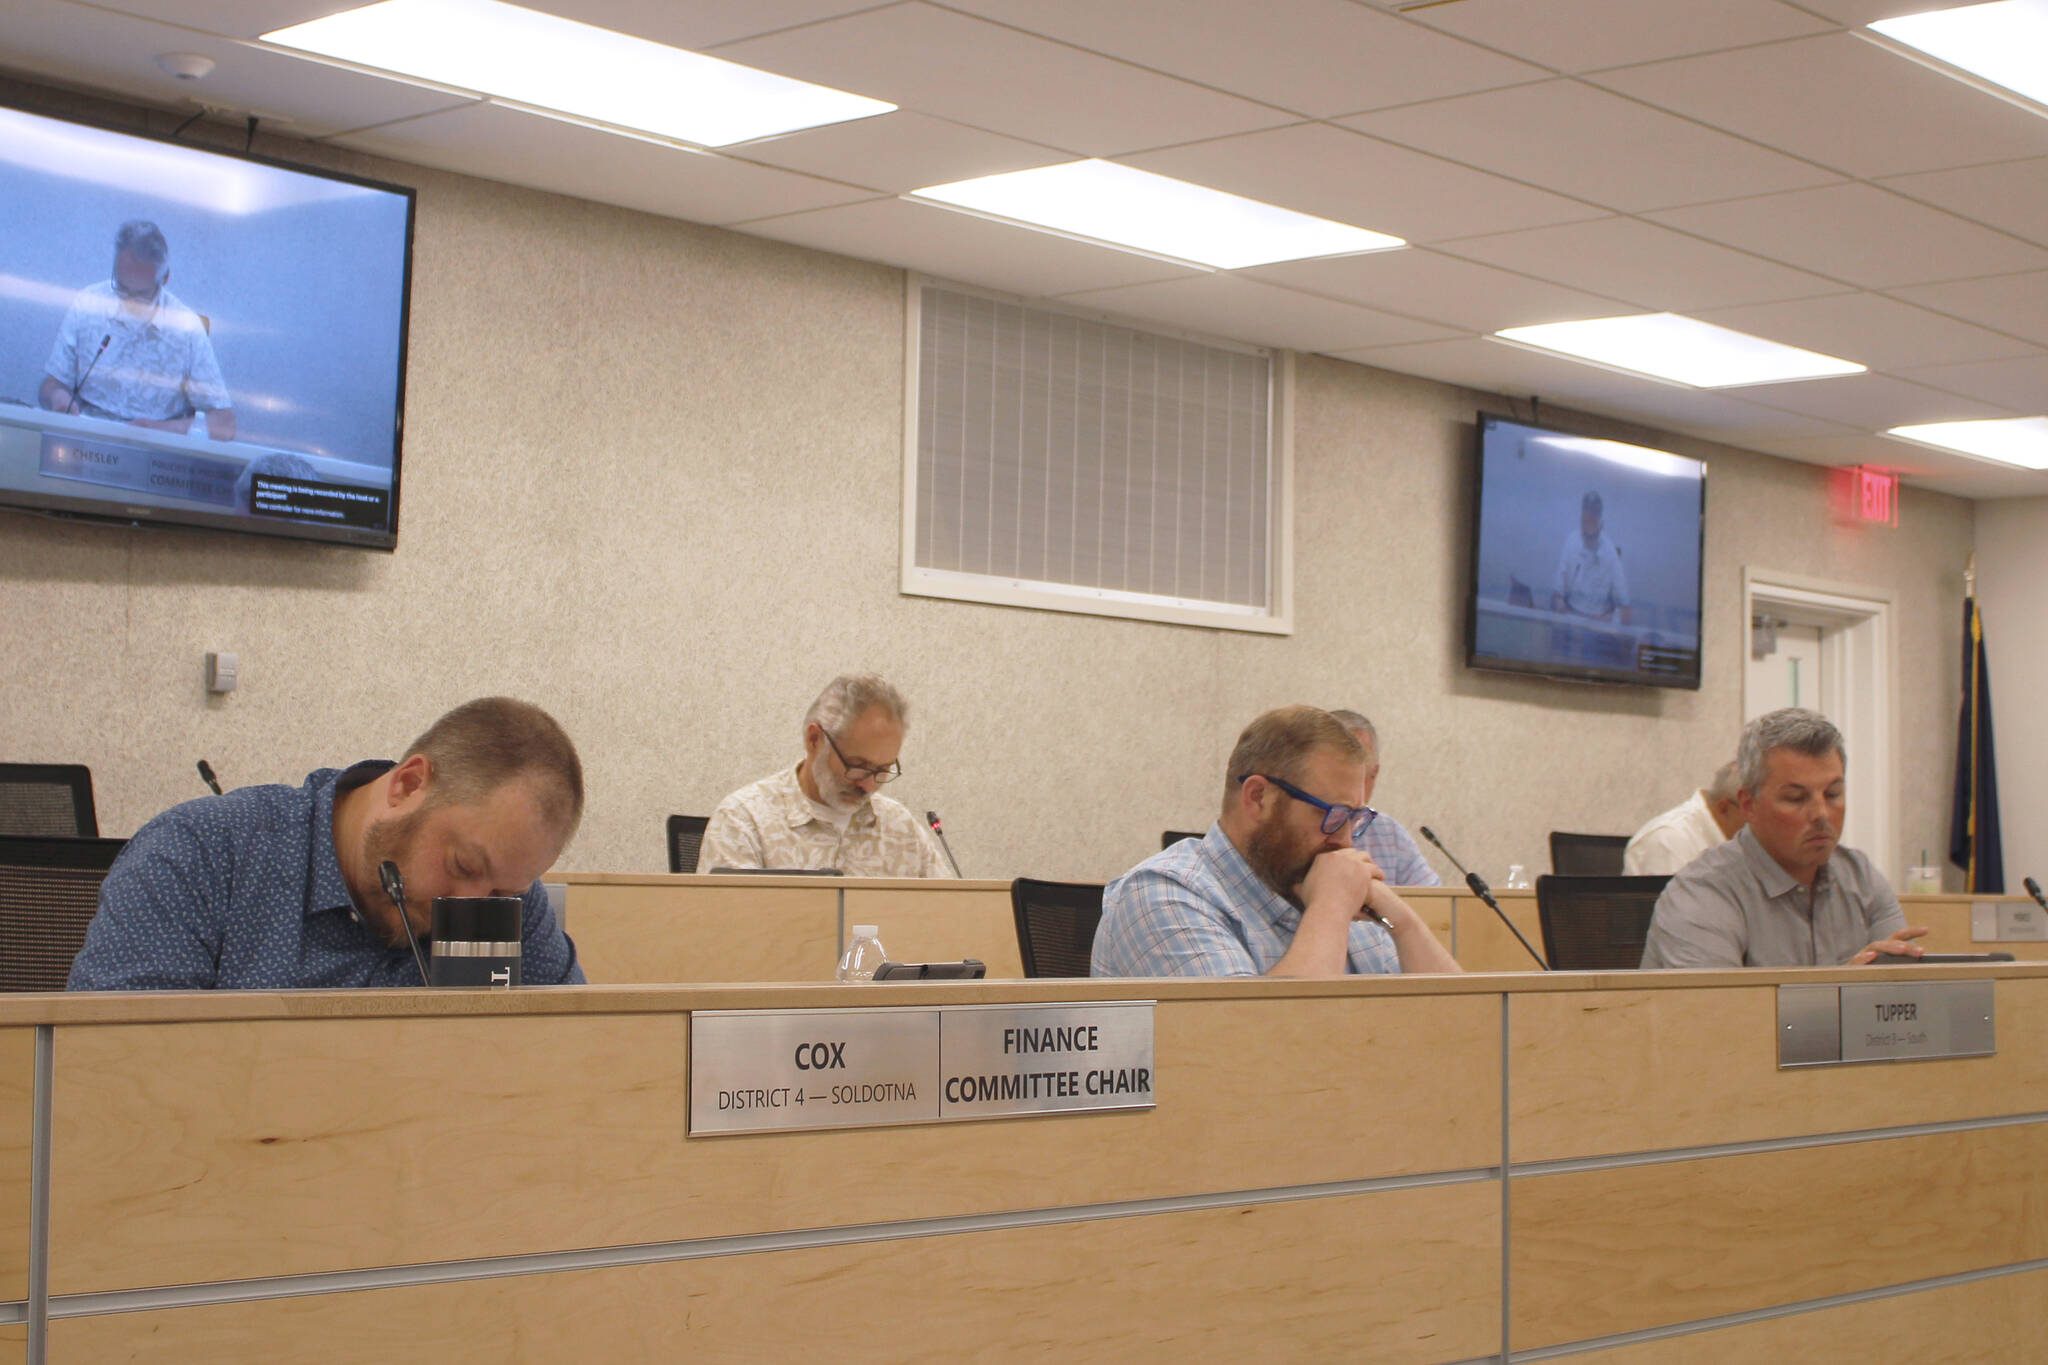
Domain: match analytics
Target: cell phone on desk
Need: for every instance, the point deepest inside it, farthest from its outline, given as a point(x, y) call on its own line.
point(1938, 958)
point(967, 969)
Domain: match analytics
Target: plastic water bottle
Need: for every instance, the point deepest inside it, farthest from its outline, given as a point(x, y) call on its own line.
point(862, 955)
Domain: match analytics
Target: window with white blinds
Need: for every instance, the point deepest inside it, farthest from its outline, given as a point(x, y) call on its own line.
point(1058, 461)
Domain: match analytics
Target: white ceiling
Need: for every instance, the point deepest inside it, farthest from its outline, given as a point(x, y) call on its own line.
point(1751, 162)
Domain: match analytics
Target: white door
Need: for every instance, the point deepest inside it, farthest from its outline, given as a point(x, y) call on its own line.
point(1789, 676)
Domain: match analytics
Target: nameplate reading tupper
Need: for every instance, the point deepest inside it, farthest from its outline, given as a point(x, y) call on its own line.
point(1891, 1022)
point(761, 1071)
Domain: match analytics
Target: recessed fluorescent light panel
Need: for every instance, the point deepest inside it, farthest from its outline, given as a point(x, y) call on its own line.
point(1122, 206)
point(2004, 43)
point(2021, 441)
point(565, 67)
point(1679, 350)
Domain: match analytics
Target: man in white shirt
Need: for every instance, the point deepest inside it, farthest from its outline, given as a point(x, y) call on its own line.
point(1590, 579)
point(825, 812)
point(1675, 838)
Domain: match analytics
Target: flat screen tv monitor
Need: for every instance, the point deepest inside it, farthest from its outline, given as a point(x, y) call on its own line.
point(195, 338)
point(1585, 558)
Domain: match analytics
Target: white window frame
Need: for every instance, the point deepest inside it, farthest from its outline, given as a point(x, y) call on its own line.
point(999, 590)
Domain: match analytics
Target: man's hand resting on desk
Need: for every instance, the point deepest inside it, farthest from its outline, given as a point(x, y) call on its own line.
point(1897, 945)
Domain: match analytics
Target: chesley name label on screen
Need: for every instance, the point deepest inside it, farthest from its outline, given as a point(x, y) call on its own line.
point(195, 478)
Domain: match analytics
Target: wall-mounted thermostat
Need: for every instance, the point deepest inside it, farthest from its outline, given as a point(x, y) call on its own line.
point(222, 671)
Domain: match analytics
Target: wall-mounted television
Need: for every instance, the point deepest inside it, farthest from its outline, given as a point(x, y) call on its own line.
point(1585, 557)
point(196, 338)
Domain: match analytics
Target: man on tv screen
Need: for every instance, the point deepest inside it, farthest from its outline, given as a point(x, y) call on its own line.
point(130, 351)
point(1590, 579)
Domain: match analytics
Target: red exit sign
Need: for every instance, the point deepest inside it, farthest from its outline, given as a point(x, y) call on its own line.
point(1867, 496)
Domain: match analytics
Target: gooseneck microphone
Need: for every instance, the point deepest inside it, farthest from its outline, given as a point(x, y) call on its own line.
point(1485, 893)
point(2034, 890)
point(206, 776)
point(76, 396)
point(394, 887)
point(932, 818)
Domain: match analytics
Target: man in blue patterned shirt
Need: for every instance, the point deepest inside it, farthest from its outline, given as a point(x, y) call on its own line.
point(1276, 887)
point(1383, 839)
point(276, 888)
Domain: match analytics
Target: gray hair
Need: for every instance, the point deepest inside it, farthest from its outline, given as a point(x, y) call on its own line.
point(143, 240)
point(1795, 728)
point(850, 696)
point(1724, 786)
point(1354, 722)
point(1280, 743)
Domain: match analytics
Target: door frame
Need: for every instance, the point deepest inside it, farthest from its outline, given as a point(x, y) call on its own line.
point(1859, 692)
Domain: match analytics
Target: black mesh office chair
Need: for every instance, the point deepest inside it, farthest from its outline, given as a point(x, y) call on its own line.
point(1586, 855)
point(49, 888)
point(1055, 925)
point(1596, 924)
point(1169, 838)
point(47, 798)
point(685, 840)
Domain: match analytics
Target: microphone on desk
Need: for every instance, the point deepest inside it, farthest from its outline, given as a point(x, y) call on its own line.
point(394, 887)
point(2034, 890)
point(1485, 893)
point(932, 818)
point(76, 396)
point(206, 776)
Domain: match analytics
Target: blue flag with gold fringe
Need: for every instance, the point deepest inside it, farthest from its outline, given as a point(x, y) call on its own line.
point(1973, 841)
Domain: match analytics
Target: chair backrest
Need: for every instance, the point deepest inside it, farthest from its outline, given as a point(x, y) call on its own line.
point(1169, 838)
point(1596, 924)
point(1056, 924)
point(49, 889)
point(47, 798)
point(685, 839)
point(1586, 855)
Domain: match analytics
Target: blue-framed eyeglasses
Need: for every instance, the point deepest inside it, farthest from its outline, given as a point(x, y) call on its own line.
point(1335, 817)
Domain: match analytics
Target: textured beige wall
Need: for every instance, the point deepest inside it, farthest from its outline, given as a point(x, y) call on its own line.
point(652, 482)
point(2012, 564)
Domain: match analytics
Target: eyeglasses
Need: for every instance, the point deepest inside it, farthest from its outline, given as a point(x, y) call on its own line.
point(1335, 817)
point(859, 773)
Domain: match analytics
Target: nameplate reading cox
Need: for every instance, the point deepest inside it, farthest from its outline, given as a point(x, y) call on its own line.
point(765, 1071)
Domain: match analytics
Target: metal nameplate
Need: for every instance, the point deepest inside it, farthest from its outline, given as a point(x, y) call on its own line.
point(196, 478)
point(760, 1071)
point(1891, 1021)
point(2007, 922)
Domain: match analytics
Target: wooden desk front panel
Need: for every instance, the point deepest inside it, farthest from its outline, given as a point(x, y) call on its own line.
point(1984, 1322)
point(17, 1120)
point(652, 934)
point(489, 1136)
point(14, 1344)
point(1595, 1073)
point(1949, 926)
point(1395, 1276)
point(941, 922)
point(1484, 943)
point(1606, 1251)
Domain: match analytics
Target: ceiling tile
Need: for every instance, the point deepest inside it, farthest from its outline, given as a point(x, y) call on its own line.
point(1492, 367)
point(697, 25)
point(229, 18)
point(898, 152)
point(1592, 145)
point(962, 247)
point(1316, 56)
point(1440, 289)
point(1870, 11)
point(2020, 384)
point(92, 48)
point(2012, 196)
point(1339, 174)
point(1841, 101)
point(1870, 329)
point(500, 143)
point(1870, 402)
point(1858, 234)
point(1651, 266)
point(2008, 303)
point(975, 72)
point(1957, 475)
point(1584, 35)
point(1263, 314)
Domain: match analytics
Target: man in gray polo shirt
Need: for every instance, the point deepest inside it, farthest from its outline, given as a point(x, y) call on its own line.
point(1783, 892)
